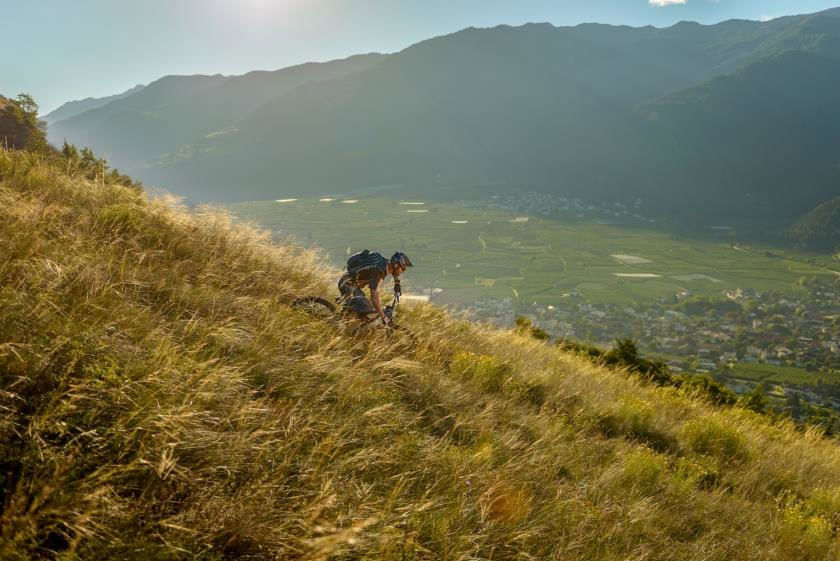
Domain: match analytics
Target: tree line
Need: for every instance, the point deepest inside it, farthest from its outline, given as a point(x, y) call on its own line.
point(21, 129)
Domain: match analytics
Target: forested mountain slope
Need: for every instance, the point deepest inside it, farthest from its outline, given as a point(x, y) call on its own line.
point(760, 141)
point(176, 110)
point(820, 228)
point(73, 108)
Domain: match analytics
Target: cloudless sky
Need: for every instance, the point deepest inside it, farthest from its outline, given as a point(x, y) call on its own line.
point(61, 50)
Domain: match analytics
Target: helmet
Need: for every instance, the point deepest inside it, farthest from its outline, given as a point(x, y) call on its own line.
point(401, 259)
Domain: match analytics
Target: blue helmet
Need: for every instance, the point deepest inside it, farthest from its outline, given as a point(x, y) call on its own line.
point(401, 259)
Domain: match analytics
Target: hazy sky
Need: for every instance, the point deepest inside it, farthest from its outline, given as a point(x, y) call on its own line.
point(60, 50)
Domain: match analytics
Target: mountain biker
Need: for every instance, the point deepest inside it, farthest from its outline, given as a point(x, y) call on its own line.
point(371, 273)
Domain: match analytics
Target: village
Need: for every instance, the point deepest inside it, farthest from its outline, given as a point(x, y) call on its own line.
point(548, 205)
point(698, 334)
point(800, 329)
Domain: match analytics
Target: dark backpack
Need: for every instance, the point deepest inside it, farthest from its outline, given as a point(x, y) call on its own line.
point(365, 259)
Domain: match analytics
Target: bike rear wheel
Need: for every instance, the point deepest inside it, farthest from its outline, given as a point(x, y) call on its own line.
point(316, 306)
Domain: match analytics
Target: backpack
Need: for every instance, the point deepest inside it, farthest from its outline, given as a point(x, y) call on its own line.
point(363, 260)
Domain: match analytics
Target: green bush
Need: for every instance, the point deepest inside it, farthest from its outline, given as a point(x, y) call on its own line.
point(756, 400)
point(698, 473)
point(802, 534)
point(709, 437)
point(625, 354)
point(634, 419)
point(490, 373)
point(590, 352)
point(712, 390)
point(526, 327)
point(826, 502)
point(643, 470)
point(636, 416)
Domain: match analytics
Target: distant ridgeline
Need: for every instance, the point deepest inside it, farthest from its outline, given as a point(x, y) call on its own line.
point(734, 123)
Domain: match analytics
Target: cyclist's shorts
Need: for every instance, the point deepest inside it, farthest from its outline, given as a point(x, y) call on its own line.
point(353, 298)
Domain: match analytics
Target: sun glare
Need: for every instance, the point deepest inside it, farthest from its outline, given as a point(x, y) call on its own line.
point(257, 13)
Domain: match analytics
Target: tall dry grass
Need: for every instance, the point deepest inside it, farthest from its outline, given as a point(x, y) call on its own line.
point(161, 400)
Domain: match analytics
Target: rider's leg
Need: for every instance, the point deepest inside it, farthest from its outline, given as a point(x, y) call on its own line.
point(345, 288)
point(360, 304)
point(353, 297)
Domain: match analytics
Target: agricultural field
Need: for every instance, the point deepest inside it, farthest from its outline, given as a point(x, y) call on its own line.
point(780, 375)
point(468, 254)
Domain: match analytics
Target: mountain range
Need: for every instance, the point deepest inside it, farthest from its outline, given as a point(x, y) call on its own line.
point(73, 108)
point(729, 123)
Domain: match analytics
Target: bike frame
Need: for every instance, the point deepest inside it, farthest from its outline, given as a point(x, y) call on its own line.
point(389, 310)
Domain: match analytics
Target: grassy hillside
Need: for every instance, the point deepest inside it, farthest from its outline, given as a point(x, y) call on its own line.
point(160, 400)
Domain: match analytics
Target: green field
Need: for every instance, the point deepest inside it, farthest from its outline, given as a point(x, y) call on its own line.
point(540, 260)
point(772, 374)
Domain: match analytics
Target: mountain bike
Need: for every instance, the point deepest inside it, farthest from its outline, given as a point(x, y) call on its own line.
point(341, 313)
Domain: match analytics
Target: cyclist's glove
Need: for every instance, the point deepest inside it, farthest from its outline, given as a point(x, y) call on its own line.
point(397, 288)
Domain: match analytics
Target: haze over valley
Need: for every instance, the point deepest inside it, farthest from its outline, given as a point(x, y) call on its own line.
point(728, 123)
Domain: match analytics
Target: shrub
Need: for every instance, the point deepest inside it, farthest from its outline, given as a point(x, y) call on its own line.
point(712, 390)
point(529, 391)
point(590, 352)
point(756, 400)
point(488, 371)
point(635, 416)
point(634, 419)
point(698, 473)
point(526, 327)
point(643, 470)
point(826, 502)
point(709, 437)
point(802, 534)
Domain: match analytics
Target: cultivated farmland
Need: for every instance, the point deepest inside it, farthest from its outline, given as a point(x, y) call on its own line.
point(471, 253)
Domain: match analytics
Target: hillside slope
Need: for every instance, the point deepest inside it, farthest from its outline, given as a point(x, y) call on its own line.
point(819, 229)
point(766, 145)
point(161, 400)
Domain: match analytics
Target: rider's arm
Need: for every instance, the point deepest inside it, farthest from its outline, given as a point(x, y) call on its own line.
point(377, 303)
